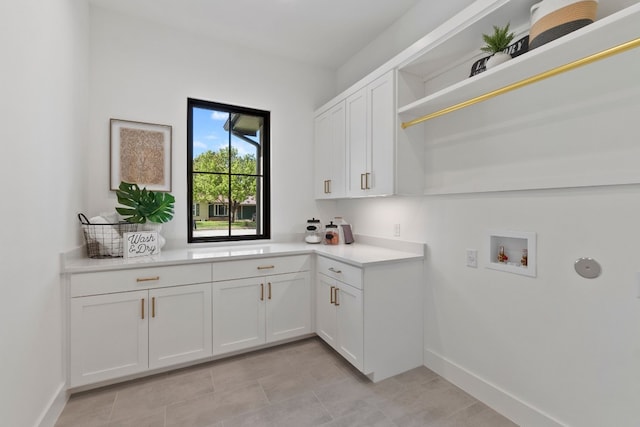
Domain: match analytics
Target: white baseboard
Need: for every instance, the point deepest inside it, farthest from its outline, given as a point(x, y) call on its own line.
point(493, 396)
point(53, 410)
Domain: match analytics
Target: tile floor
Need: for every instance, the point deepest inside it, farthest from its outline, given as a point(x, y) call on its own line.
point(295, 385)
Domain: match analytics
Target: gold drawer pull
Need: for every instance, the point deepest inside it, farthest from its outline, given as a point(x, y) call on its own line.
point(147, 279)
point(335, 271)
point(266, 267)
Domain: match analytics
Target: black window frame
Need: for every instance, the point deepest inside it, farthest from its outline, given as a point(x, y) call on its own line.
point(263, 175)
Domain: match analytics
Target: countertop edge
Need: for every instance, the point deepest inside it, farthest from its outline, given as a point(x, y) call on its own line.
point(358, 255)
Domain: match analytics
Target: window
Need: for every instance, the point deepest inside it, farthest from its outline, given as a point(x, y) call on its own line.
point(220, 210)
point(196, 209)
point(228, 172)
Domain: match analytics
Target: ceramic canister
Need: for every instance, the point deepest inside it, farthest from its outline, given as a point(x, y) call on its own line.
point(551, 19)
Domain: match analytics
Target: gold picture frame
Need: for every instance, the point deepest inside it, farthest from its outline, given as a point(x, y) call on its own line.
point(140, 154)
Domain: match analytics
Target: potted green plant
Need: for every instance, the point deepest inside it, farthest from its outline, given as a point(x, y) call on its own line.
point(144, 205)
point(496, 43)
point(151, 208)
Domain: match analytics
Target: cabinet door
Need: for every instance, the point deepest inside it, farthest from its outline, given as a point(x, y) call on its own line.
point(356, 141)
point(326, 310)
point(382, 134)
point(109, 336)
point(288, 307)
point(179, 324)
point(322, 155)
point(330, 153)
point(238, 314)
point(350, 321)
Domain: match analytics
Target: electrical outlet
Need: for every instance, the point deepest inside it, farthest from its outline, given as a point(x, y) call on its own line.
point(472, 258)
point(396, 230)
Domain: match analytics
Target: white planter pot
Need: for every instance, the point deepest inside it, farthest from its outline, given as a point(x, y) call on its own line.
point(496, 59)
point(154, 226)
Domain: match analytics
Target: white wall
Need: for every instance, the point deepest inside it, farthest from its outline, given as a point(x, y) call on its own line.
point(417, 22)
point(42, 142)
point(553, 350)
point(565, 345)
point(145, 72)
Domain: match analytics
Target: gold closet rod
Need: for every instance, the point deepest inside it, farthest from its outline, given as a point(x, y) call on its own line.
point(544, 75)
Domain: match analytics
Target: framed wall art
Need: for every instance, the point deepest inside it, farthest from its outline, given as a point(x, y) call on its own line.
point(140, 154)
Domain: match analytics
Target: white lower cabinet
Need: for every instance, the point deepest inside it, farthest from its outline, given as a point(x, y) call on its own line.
point(125, 322)
point(113, 335)
point(238, 314)
point(288, 306)
point(372, 315)
point(251, 311)
point(180, 324)
point(109, 336)
point(339, 318)
point(119, 334)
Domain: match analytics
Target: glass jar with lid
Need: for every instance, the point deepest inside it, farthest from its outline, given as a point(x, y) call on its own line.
point(314, 233)
point(331, 234)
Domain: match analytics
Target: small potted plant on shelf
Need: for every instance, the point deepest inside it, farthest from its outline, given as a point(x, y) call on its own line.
point(496, 43)
point(151, 208)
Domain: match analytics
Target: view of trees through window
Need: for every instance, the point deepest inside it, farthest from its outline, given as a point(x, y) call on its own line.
point(228, 149)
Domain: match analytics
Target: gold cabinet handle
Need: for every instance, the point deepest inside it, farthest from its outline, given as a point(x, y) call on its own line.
point(362, 184)
point(269, 284)
point(153, 307)
point(332, 298)
point(142, 307)
point(366, 181)
point(147, 279)
point(335, 298)
point(334, 270)
point(328, 186)
point(266, 267)
point(261, 291)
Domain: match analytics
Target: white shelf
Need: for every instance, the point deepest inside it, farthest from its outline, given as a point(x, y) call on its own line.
point(619, 27)
point(458, 37)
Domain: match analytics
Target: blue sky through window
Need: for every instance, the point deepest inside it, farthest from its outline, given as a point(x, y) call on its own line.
point(209, 133)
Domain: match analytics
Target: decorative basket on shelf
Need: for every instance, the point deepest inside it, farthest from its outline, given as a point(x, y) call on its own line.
point(551, 19)
point(105, 240)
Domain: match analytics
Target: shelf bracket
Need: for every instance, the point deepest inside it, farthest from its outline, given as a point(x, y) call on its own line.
point(525, 82)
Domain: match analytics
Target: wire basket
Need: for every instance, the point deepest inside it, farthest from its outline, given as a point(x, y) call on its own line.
point(105, 240)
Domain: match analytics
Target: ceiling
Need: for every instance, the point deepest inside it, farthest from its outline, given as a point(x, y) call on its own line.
point(324, 33)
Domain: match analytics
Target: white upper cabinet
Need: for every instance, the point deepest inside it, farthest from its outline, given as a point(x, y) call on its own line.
point(371, 138)
point(329, 153)
point(474, 135)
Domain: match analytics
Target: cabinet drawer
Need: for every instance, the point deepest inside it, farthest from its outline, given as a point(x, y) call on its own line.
point(105, 282)
point(339, 270)
point(259, 267)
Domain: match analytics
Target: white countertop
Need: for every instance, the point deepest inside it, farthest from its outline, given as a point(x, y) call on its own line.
point(372, 251)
